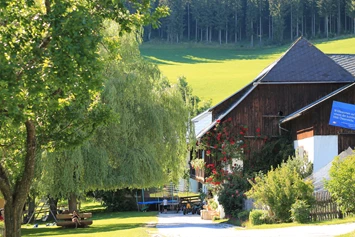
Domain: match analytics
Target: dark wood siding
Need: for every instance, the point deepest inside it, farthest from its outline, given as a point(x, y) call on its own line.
point(318, 116)
point(345, 141)
point(262, 107)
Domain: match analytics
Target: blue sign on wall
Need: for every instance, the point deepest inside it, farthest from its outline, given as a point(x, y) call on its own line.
point(342, 115)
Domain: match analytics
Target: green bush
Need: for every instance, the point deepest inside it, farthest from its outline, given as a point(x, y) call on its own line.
point(118, 200)
point(300, 211)
point(231, 195)
point(279, 189)
point(243, 215)
point(258, 217)
point(341, 184)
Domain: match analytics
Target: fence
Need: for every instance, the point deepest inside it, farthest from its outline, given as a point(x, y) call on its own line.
point(325, 208)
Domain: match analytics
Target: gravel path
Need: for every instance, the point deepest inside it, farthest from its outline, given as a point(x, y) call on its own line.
point(178, 225)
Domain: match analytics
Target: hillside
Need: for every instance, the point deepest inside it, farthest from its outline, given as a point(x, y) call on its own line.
point(216, 72)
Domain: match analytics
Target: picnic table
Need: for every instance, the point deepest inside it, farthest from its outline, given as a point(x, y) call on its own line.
point(65, 220)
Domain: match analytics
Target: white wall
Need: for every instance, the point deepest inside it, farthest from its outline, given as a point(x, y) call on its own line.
point(193, 186)
point(320, 149)
point(325, 149)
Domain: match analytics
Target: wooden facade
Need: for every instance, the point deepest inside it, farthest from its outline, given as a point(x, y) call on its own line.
point(300, 77)
point(317, 118)
point(268, 103)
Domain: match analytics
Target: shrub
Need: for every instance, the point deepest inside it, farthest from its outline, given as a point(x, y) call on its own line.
point(243, 215)
point(258, 217)
point(118, 200)
point(231, 195)
point(300, 211)
point(341, 184)
point(279, 189)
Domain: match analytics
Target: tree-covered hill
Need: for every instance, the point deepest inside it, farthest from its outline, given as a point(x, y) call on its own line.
point(257, 21)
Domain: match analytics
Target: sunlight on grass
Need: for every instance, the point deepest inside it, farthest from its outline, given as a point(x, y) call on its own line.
point(283, 225)
point(128, 224)
point(217, 72)
point(351, 234)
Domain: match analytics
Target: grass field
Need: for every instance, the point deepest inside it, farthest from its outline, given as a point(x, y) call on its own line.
point(216, 71)
point(128, 224)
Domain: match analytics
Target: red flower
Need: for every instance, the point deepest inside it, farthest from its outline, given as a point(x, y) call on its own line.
point(218, 121)
point(257, 130)
point(241, 133)
point(229, 119)
point(232, 142)
point(208, 152)
point(215, 146)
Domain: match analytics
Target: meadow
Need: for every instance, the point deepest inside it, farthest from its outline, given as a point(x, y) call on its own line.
point(216, 72)
point(105, 224)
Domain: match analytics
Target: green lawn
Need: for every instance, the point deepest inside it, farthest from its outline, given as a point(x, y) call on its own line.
point(128, 224)
point(283, 225)
point(217, 72)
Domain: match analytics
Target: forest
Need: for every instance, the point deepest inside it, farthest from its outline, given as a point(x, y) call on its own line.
point(258, 22)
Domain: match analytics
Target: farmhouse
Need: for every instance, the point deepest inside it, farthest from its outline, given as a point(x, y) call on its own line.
point(291, 96)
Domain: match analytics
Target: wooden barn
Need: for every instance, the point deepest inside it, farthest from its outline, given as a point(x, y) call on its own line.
point(311, 131)
point(301, 77)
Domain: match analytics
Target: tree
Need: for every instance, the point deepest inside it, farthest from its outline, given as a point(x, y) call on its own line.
point(120, 155)
point(278, 10)
point(326, 9)
point(194, 104)
point(351, 11)
point(50, 84)
point(280, 188)
point(341, 184)
point(236, 7)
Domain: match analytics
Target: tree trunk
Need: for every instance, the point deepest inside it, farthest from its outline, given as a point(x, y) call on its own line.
point(188, 21)
point(13, 214)
point(269, 27)
point(196, 32)
point(206, 34)
point(210, 31)
point(354, 25)
point(313, 24)
point(220, 36)
point(260, 30)
point(226, 32)
point(236, 28)
point(326, 26)
point(72, 203)
point(15, 197)
point(291, 22)
point(338, 21)
point(53, 202)
point(31, 208)
point(252, 36)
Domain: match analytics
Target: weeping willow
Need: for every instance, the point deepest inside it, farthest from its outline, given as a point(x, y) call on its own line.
point(142, 143)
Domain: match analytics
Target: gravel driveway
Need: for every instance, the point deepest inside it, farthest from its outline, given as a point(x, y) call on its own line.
point(178, 225)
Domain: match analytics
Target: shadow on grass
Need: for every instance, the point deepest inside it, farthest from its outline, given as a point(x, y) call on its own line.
point(206, 55)
point(87, 230)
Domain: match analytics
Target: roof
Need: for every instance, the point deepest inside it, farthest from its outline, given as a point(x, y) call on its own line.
point(304, 109)
point(304, 63)
point(202, 132)
point(347, 61)
point(301, 63)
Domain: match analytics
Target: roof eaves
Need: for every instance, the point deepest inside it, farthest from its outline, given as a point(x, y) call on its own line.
point(204, 131)
point(304, 109)
point(200, 116)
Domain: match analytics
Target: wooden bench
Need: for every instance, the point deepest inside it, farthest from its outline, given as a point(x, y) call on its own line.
point(65, 220)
